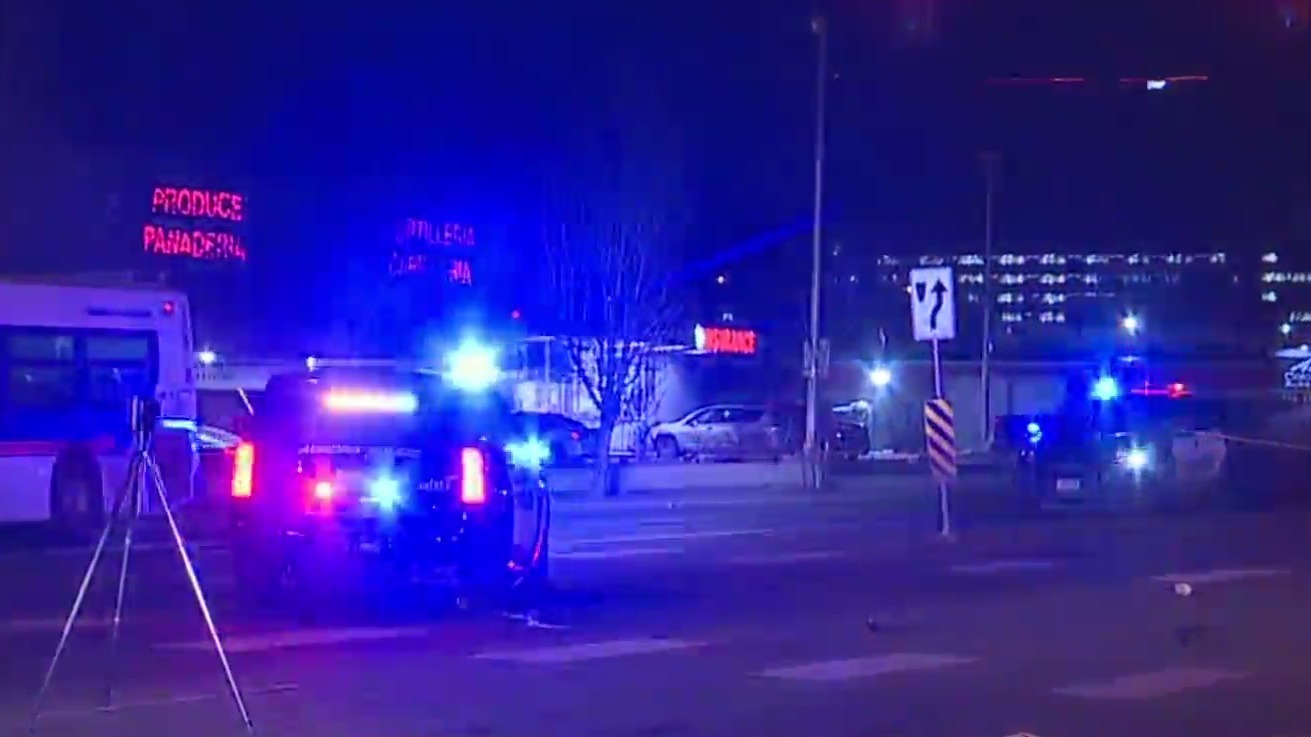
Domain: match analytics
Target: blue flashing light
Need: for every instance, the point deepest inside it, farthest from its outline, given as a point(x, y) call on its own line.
point(1106, 389)
point(473, 367)
point(530, 453)
point(385, 491)
point(1035, 433)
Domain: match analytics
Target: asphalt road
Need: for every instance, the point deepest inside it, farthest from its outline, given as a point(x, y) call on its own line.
point(787, 617)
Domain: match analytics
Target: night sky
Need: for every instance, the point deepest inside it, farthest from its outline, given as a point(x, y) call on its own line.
point(341, 118)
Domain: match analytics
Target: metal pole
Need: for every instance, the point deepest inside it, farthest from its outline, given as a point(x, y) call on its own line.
point(937, 371)
point(944, 504)
point(985, 373)
point(820, 27)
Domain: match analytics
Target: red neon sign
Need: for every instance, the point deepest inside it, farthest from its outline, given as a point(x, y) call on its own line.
point(726, 340)
point(423, 245)
point(203, 224)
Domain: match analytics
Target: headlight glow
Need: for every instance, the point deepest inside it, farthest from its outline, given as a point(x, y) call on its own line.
point(385, 491)
point(1135, 459)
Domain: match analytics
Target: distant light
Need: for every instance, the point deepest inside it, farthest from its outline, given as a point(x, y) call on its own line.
point(1034, 428)
point(380, 402)
point(1157, 84)
point(1286, 329)
point(880, 376)
point(472, 367)
point(209, 358)
point(515, 314)
point(1130, 323)
point(323, 491)
point(311, 363)
point(1106, 389)
point(721, 279)
point(699, 337)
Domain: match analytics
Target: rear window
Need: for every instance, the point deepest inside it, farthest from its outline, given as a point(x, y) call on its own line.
point(298, 406)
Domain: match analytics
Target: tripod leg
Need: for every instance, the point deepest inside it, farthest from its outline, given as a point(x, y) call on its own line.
point(80, 599)
point(237, 698)
point(131, 511)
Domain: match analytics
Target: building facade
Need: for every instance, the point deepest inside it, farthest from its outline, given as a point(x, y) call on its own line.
point(1076, 303)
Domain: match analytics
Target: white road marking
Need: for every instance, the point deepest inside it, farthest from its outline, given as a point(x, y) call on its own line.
point(768, 559)
point(114, 551)
point(1221, 575)
point(1003, 566)
point(588, 651)
point(620, 553)
point(667, 536)
point(305, 638)
point(1150, 685)
point(77, 712)
point(877, 665)
point(52, 624)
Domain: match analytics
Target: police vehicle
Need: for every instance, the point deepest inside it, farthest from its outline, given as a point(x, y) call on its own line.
point(1143, 447)
point(357, 475)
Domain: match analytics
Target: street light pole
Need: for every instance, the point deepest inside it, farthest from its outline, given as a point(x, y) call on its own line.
point(820, 28)
point(990, 159)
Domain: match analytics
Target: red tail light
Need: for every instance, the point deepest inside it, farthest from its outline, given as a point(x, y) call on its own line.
point(473, 476)
point(243, 469)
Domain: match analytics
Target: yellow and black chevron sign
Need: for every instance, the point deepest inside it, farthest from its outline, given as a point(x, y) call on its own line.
point(940, 438)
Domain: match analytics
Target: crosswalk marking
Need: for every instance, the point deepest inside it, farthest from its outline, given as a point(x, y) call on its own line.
point(1002, 566)
point(1149, 685)
point(877, 665)
point(304, 638)
point(588, 651)
point(1222, 575)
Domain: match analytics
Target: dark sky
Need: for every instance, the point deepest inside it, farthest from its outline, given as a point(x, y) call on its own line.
point(466, 102)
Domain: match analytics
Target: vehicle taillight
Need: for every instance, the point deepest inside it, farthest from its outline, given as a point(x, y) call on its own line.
point(320, 475)
point(243, 469)
point(473, 476)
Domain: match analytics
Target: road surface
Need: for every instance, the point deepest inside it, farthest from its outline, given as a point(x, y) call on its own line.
point(832, 618)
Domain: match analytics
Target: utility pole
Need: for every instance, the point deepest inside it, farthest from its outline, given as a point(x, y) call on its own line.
point(820, 28)
point(990, 159)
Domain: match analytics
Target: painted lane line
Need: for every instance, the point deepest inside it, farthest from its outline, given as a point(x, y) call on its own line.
point(1003, 566)
point(769, 559)
point(1150, 685)
point(77, 712)
point(305, 638)
point(588, 651)
point(854, 668)
point(1221, 575)
point(609, 554)
point(667, 537)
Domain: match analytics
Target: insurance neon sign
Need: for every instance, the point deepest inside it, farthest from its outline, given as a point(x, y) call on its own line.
point(726, 340)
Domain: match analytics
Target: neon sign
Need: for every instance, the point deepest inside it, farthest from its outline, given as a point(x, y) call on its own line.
point(423, 246)
point(726, 340)
point(202, 224)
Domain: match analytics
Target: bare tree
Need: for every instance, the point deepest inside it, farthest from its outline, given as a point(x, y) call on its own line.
point(611, 244)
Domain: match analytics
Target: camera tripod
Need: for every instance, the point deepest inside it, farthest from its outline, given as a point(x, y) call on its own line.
point(128, 504)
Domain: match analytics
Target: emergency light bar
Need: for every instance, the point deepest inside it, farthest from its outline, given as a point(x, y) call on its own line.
point(400, 403)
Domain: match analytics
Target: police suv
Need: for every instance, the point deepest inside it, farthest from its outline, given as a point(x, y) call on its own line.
point(352, 475)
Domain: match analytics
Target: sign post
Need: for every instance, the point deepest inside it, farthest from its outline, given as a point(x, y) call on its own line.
point(933, 317)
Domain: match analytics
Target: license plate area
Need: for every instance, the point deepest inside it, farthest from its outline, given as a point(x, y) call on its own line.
point(1069, 485)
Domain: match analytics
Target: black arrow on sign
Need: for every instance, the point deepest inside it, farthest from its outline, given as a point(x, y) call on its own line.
point(920, 288)
point(939, 296)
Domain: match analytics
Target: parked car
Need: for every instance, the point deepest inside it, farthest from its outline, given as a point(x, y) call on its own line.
point(719, 432)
